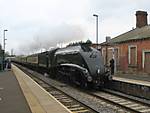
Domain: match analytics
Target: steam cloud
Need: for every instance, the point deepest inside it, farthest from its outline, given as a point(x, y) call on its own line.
point(51, 37)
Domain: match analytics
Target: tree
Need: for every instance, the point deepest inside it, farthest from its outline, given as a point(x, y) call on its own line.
point(89, 42)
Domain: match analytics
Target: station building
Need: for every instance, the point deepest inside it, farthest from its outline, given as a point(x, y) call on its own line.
point(130, 50)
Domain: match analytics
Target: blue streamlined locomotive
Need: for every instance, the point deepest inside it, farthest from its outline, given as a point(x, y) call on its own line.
point(81, 64)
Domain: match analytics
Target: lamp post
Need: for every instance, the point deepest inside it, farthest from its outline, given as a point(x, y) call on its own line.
point(4, 39)
point(96, 29)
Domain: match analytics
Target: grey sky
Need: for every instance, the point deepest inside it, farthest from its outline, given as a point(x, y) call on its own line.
point(33, 24)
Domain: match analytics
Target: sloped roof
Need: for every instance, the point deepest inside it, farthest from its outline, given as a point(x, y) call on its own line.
point(135, 34)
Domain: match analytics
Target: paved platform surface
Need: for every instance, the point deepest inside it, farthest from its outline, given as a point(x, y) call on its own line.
point(134, 78)
point(39, 100)
point(12, 99)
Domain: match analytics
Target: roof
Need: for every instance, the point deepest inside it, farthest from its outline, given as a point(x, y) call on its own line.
point(135, 34)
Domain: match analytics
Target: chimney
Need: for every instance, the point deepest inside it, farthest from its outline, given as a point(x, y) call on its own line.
point(141, 19)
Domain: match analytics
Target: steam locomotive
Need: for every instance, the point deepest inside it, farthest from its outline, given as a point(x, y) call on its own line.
point(81, 64)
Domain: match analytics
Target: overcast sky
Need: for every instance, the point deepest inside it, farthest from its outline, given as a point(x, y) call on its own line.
point(34, 24)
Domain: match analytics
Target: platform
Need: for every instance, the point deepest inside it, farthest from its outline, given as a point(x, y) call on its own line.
point(20, 94)
point(133, 85)
point(12, 99)
point(133, 78)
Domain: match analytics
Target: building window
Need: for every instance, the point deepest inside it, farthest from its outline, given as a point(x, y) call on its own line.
point(132, 58)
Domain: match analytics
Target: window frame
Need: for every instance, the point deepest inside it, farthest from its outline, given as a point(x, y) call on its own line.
point(129, 54)
point(143, 57)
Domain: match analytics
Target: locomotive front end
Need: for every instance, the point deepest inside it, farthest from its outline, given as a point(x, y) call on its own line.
point(96, 73)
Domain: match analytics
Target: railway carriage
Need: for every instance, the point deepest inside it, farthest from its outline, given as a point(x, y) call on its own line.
point(32, 61)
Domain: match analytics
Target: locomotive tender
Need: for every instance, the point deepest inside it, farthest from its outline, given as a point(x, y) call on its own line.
point(81, 64)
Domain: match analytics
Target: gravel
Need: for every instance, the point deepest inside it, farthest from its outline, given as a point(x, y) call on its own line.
point(97, 104)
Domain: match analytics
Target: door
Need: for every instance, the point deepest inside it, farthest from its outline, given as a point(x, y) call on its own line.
point(147, 62)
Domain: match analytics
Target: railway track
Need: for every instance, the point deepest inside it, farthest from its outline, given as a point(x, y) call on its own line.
point(132, 106)
point(72, 104)
point(129, 104)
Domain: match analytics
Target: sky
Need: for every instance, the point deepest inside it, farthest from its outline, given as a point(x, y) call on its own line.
point(37, 25)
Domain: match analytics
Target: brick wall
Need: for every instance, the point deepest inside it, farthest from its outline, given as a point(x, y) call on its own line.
point(124, 55)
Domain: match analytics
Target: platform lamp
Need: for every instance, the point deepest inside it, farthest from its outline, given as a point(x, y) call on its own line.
point(96, 29)
point(4, 48)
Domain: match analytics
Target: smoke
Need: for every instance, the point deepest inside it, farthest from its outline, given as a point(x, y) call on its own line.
point(48, 37)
